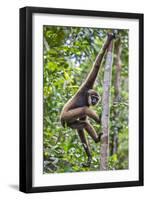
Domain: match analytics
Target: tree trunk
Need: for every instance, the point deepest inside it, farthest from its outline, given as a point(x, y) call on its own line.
point(104, 151)
point(117, 63)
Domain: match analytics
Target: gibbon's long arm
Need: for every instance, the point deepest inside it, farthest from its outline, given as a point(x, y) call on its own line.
point(88, 83)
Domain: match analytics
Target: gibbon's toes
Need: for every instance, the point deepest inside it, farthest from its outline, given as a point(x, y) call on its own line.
point(88, 163)
point(99, 137)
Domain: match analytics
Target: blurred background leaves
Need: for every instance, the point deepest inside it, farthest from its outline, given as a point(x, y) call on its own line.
point(69, 53)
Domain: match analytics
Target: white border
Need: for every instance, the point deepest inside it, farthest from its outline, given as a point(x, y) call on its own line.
point(40, 179)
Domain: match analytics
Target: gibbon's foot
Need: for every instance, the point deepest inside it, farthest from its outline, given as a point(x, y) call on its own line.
point(99, 138)
point(88, 163)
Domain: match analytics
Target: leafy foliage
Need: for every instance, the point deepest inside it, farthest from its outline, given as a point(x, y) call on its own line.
point(69, 53)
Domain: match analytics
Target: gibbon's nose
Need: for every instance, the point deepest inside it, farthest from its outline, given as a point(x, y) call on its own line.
point(94, 101)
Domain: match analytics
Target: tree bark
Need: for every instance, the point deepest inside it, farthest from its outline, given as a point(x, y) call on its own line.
point(117, 63)
point(104, 151)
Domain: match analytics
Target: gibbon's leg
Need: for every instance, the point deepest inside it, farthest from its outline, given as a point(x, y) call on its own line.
point(91, 131)
point(83, 118)
point(79, 113)
point(88, 127)
point(85, 145)
point(77, 124)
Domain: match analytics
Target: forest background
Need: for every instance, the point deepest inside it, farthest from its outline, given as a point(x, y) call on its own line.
point(69, 53)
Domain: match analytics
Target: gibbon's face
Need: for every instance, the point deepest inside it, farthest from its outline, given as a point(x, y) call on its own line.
point(93, 98)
